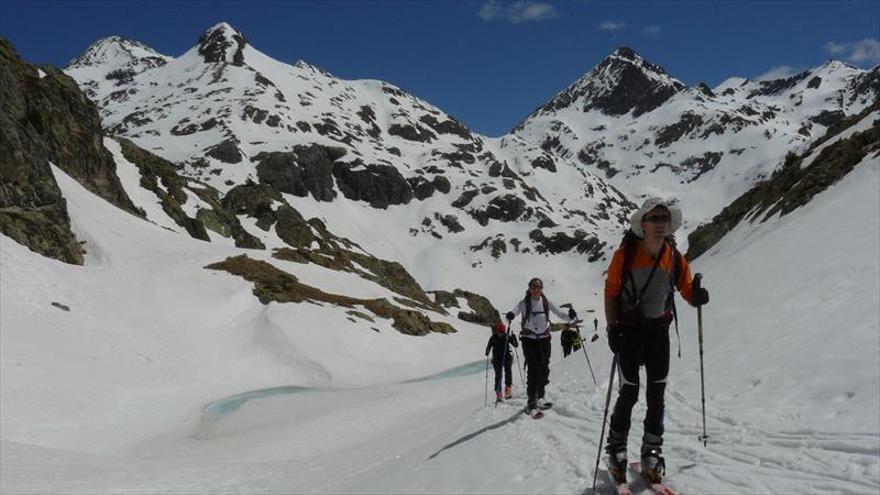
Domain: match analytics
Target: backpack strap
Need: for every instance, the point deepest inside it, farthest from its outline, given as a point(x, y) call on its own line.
point(676, 272)
point(546, 307)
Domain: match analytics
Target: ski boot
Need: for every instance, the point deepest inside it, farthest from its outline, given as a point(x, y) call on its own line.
point(653, 464)
point(615, 447)
point(499, 397)
point(508, 392)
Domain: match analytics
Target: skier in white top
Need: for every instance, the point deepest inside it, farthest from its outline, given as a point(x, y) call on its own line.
point(535, 337)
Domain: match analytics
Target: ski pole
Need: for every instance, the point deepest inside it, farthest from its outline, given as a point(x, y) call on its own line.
point(698, 278)
point(584, 347)
point(486, 391)
point(521, 379)
point(516, 355)
point(604, 420)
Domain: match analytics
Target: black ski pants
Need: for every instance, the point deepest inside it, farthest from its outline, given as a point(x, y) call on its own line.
point(508, 375)
point(537, 355)
point(648, 344)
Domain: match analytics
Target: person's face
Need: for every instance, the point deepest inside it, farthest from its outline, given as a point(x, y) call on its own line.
point(535, 288)
point(655, 223)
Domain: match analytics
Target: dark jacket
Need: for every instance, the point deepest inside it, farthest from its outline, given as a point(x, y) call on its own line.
point(496, 345)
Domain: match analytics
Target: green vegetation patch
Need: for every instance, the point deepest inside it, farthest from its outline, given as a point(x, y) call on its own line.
point(273, 284)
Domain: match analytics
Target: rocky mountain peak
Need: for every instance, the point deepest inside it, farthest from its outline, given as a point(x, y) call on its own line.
point(621, 83)
point(223, 43)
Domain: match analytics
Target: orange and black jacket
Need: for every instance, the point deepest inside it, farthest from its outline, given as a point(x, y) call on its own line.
point(656, 300)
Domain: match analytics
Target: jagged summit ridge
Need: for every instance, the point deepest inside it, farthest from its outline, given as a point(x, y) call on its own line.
point(222, 43)
point(623, 82)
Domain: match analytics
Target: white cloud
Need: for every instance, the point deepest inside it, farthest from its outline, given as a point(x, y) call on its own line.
point(865, 51)
point(778, 72)
point(835, 48)
point(651, 30)
point(611, 26)
point(490, 10)
point(517, 12)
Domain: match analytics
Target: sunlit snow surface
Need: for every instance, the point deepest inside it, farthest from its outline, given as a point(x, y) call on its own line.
point(114, 395)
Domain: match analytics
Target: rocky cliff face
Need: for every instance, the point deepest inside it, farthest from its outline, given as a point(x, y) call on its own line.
point(46, 118)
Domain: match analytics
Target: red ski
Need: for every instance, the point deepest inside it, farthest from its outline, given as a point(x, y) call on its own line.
point(658, 488)
point(619, 479)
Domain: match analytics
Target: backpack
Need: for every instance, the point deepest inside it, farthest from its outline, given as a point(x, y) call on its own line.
point(528, 301)
point(629, 243)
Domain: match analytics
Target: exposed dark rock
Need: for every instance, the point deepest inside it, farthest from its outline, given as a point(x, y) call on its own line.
point(456, 158)
point(379, 185)
point(448, 126)
point(828, 118)
point(561, 242)
point(814, 82)
point(441, 183)
point(421, 187)
point(214, 45)
point(61, 306)
point(499, 247)
point(308, 169)
point(672, 133)
point(184, 128)
point(776, 86)
point(482, 312)
point(703, 89)
point(292, 227)
point(367, 114)
point(251, 199)
point(412, 133)
point(227, 151)
point(254, 114)
point(222, 220)
point(450, 222)
point(699, 165)
point(465, 198)
point(544, 162)
point(866, 86)
point(505, 208)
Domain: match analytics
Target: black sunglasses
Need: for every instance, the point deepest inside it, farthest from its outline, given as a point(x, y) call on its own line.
point(534, 286)
point(656, 218)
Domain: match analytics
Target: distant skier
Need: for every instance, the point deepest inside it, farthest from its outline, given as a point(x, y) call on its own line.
point(639, 287)
point(499, 343)
point(535, 308)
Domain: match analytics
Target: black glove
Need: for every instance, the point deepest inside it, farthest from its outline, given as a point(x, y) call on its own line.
point(615, 338)
point(700, 296)
point(572, 314)
point(510, 316)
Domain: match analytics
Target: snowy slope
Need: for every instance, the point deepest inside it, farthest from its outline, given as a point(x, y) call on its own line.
point(126, 400)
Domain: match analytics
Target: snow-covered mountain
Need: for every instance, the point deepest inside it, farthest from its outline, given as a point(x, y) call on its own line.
point(649, 134)
point(227, 114)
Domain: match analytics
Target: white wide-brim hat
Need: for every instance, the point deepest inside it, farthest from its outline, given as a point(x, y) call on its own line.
point(670, 204)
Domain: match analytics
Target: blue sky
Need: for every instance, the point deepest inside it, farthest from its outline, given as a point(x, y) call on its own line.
point(488, 63)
